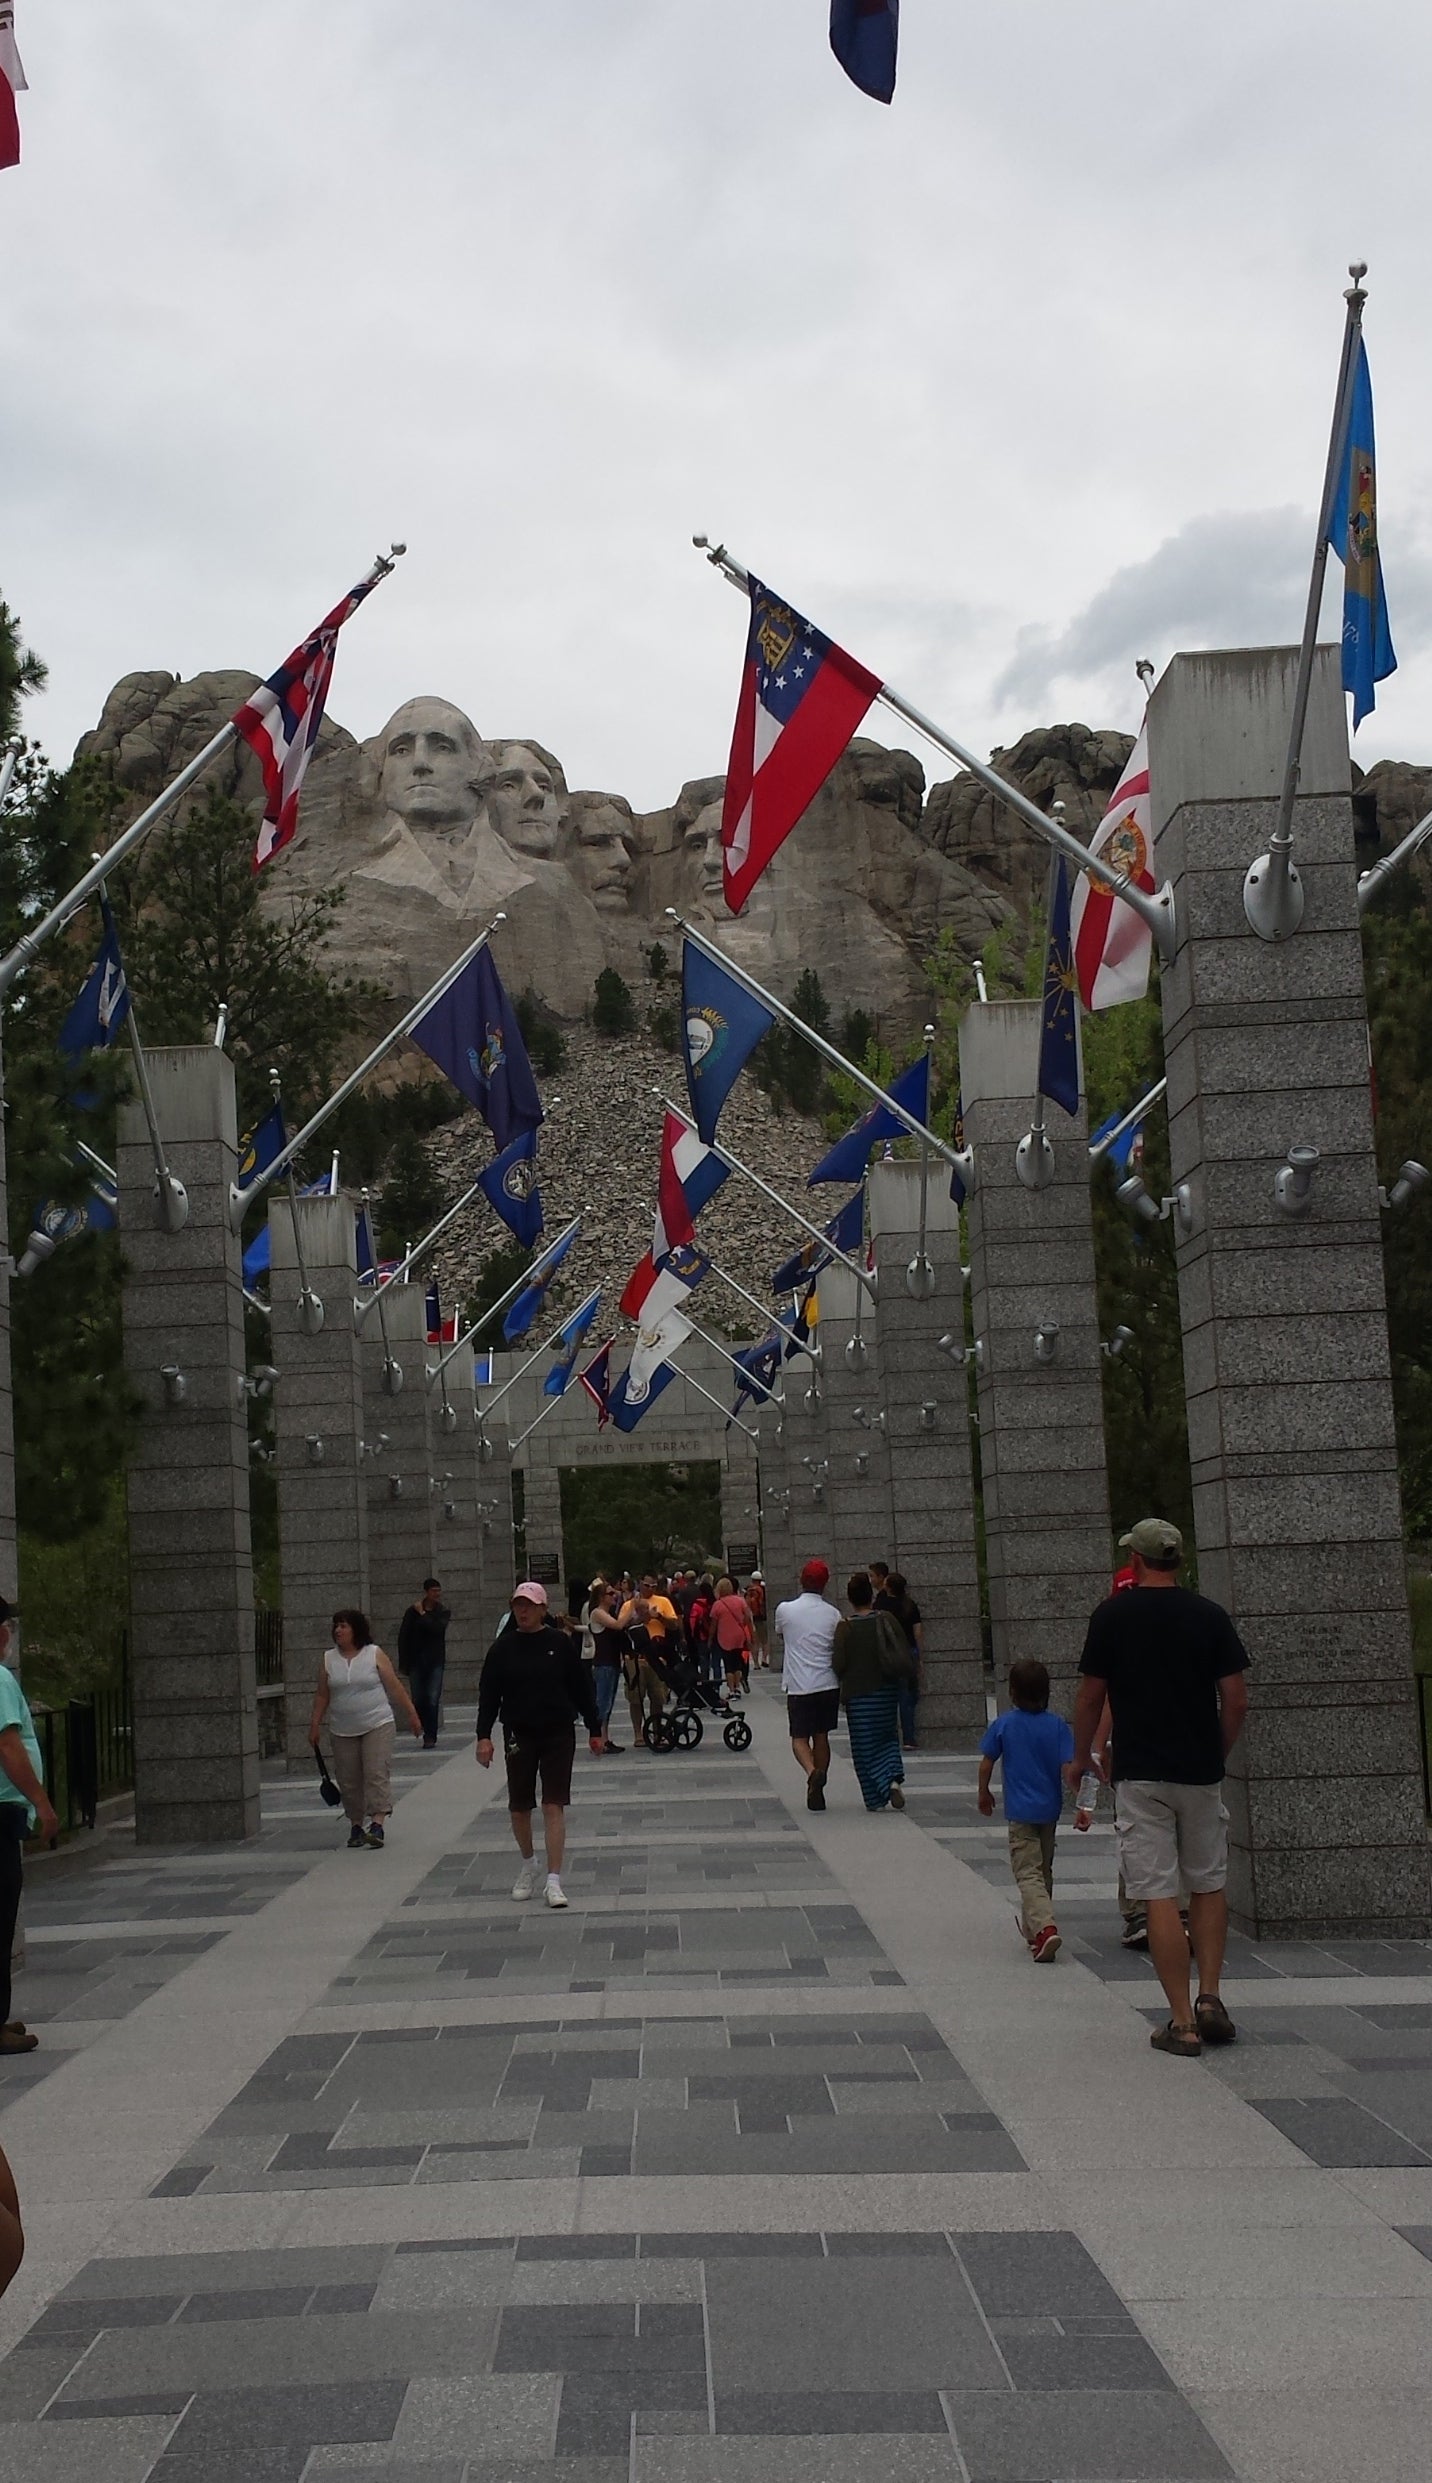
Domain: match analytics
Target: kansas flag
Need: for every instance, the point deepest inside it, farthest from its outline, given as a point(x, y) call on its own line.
point(1059, 1013)
point(802, 700)
point(864, 35)
point(1367, 654)
point(721, 1025)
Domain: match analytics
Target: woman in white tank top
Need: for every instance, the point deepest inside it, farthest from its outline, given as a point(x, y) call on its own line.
point(357, 1692)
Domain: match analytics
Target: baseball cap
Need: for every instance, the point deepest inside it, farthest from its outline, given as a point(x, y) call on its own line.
point(815, 1575)
point(1154, 1538)
point(530, 1591)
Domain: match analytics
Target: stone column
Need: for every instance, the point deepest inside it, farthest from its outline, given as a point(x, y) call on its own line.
point(9, 1556)
point(318, 1415)
point(497, 1572)
point(196, 1752)
point(927, 1425)
point(858, 1485)
point(1285, 1347)
point(542, 1489)
point(457, 1541)
point(807, 1447)
point(1046, 1490)
point(777, 1544)
point(400, 1504)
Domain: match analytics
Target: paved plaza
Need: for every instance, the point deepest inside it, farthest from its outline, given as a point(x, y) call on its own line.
point(773, 2158)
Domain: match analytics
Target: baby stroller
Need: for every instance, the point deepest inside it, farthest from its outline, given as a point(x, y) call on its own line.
point(681, 1724)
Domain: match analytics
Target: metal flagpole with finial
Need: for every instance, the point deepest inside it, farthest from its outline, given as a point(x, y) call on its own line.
point(1272, 890)
point(310, 1307)
point(1034, 1156)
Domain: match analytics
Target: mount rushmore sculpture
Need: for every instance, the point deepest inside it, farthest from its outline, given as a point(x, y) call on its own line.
point(431, 827)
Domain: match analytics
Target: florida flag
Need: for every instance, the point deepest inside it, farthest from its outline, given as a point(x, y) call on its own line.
point(12, 83)
point(280, 723)
point(1112, 944)
point(802, 699)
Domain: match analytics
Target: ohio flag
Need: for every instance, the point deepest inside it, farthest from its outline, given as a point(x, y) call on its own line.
point(802, 699)
point(280, 723)
point(1112, 944)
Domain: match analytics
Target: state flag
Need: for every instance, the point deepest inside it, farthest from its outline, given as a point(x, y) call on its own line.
point(656, 1342)
point(280, 723)
point(627, 1404)
point(569, 1344)
point(657, 1285)
point(1059, 1009)
point(103, 1002)
point(523, 1311)
point(509, 1183)
point(472, 1034)
point(12, 83)
point(1113, 946)
point(847, 1159)
point(802, 700)
point(865, 37)
point(721, 1025)
point(845, 1229)
point(1367, 655)
point(597, 1381)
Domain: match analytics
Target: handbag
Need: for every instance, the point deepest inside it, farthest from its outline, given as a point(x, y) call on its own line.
point(891, 1652)
point(328, 1791)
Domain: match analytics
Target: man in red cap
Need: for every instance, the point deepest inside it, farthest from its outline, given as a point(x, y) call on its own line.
point(806, 1627)
point(535, 1680)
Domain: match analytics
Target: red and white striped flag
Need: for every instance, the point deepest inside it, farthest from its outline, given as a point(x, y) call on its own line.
point(1113, 945)
point(12, 83)
point(280, 722)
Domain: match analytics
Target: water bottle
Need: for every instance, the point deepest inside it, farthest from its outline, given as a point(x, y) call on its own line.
point(1086, 1800)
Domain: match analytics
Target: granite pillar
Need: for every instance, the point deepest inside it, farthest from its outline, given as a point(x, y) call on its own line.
point(542, 1516)
point(857, 1486)
point(807, 1447)
point(777, 1544)
point(740, 1502)
point(318, 1415)
point(1046, 1490)
point(9, 1556)
point(196, 1752)
point(457, 1541)
point(1285, 1345)
point(396, 1423)
point(927, 1426)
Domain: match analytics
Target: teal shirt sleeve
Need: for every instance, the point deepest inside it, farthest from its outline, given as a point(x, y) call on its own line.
point(15, 1711)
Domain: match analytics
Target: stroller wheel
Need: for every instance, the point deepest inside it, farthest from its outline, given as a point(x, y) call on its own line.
point(738, 1734)
point(659, 1733)
point(687, 1728)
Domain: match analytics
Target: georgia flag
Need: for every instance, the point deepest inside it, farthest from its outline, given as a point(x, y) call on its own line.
point(1113, 946)
point(12, 83)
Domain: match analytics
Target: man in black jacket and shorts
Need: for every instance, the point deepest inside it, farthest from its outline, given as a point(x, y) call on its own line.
point(535, 1680)
point(1171, 1665)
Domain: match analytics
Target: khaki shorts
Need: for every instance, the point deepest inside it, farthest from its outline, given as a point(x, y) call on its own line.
point(1171, 1838)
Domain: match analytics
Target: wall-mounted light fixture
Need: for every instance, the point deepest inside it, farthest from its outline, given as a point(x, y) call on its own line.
point(1293, 1181)
point(395, 1487)
point(176, 1386)
point(1117, 1345)
point(857, 1354)
point(314, 1444)
point(929, 1414)
point(1132, 1194)
point(868, 1421)
point(392, 1376)
point(862, 1461)
point(1046, 1340)
point(1411, 1177)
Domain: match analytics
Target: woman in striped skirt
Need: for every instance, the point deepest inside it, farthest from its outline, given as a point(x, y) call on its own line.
point(871, 1660)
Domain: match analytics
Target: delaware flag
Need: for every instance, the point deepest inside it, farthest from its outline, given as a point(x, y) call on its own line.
point(280, 723)
point(721, 1027)
point(471, 1032)
point(1059, 1014)
point(1367, 655)
point(1113, 946)
point(864, 35)
point(849, 1156)
point(103, 1002)
point(509, 1184)
point(802, 699)
point(569, 1345)
point(524, 1310)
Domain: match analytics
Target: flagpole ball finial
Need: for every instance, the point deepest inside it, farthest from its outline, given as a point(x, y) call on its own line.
point(1034, 1161)
point(1145, 672)
point(1357, 269)
point(702, 542)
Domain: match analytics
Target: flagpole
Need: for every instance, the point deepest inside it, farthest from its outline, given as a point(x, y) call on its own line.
point(682, 1373)
point(241, 1200)
point(522, 1370)
point(920, 1274)
point(726, 1355)
point(1099, 1147)
point(549, 1407)
point(171, 1197)
point(504, 1300)
point(963, 1164)
point(8, 765)
point(364, 1303)
point(734, 1164)
point(1370, 881)
point(1157, 911)
point(1034, 1156)
point(1272, 890)
point(310, 1307)
point(718, 1270)
point(392, 1369)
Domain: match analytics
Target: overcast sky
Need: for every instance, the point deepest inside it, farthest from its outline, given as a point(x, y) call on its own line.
point(1010, 384)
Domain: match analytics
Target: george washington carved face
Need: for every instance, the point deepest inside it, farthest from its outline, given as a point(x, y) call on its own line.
point(428, 758)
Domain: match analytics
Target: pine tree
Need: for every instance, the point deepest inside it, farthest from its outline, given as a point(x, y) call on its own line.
point(613, 1009)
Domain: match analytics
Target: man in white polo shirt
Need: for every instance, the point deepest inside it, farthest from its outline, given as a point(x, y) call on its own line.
point(806, 1627)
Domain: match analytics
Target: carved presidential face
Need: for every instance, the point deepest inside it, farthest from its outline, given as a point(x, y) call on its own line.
point(603, 857)
point(428, 756)
point(522, 801)
point(702, 841)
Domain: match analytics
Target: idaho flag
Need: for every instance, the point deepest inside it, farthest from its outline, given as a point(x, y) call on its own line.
point(721, 1026)
point(1367, 654)
point(864, 36)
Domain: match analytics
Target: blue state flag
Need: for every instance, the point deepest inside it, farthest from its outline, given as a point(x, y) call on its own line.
point(473, 1035)
point(597, 1381)
point(1119, 1153)
point(524, 1310)
point(758, 1365)
point(261, 1146)
point(721, 1026)
point(256, 1257)
point(846, 1230)
point(1367, 653)
point(849, 1156)
point(1059, 1009)
point(865, 36)
point(97, 1212)
point(569, 1345)
point(626, 1411)
point(509, 1184)
point(103, 1003)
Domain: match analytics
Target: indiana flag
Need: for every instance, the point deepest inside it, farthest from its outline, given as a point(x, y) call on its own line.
point(802, 698)
point(597, 1381)
point(280, 723)
point(1367, 655)
point(864, 36)
point(1112, 944)
point(12, 83)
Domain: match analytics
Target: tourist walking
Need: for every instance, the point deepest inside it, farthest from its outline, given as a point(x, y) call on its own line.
point(1032, 1748)
point(606, 1640)
point(806, 1627)
point(1171, 1666)
point(357, 1692)
point(534, 1682)
point(730, 1631)
point(422, 1655)
point(872, 1664)
point(896, 1599)
point(24, 1806)
point(756, 1598)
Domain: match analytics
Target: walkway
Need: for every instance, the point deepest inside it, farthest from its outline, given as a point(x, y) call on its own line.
point(772, 2161)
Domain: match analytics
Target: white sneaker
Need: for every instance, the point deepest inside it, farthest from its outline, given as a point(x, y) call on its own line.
point(556, 1896)
point(525, 1881)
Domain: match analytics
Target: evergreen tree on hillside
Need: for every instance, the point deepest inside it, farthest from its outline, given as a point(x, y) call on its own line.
point(21, 671)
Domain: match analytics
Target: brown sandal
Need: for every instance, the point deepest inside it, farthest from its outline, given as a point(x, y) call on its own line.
point(1212, 2020)
point(1182, 2041)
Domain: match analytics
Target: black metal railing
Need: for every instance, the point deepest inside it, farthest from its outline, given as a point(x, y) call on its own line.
point(88, 1747)
point(268, 1650)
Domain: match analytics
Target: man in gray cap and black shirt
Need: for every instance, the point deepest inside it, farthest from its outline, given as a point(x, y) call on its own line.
point(1171, 1665)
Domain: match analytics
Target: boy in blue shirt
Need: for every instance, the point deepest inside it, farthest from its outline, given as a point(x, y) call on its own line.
point(1034, 1748)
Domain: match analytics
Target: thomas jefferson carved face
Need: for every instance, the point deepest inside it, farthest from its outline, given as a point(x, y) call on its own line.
point(428, 755)
point(522, 800)
point(603, 857)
